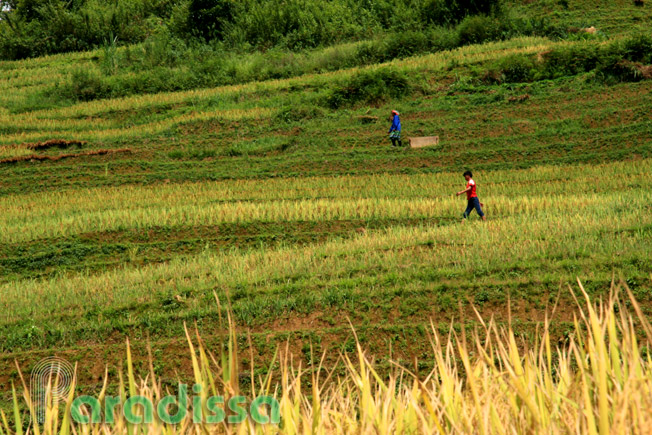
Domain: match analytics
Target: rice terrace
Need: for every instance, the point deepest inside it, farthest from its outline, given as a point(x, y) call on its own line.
point(212, 219)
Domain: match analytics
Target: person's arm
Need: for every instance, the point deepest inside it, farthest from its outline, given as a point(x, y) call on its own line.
point(394, 125)
point(464, 191)
point(469, 187)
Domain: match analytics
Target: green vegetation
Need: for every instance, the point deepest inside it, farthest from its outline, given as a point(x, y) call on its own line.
point(138, 181)
point(622, 60)
point(36, 27)
point(493, 384)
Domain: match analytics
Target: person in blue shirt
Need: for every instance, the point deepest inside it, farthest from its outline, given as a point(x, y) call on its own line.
point(395, 129)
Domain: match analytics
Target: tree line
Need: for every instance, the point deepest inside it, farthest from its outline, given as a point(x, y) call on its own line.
point(30, 28)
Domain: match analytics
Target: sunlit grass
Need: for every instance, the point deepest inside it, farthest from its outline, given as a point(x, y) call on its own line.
point(598, 381)
point(534, 192)
point(542, 238)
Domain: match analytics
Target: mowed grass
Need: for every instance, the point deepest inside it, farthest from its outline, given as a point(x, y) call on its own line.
point(301, 256)
point(281, 128)
point(54, 215)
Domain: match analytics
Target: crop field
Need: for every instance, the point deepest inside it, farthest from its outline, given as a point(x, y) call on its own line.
point(274, 205)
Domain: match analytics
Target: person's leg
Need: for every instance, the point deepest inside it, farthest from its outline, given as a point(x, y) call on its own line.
point(469, 209)
point(478, 208)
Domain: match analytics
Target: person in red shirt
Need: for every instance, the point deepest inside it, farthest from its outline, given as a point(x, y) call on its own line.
point(471, 196)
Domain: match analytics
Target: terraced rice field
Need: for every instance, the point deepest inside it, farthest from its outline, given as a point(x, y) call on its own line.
point(302, 218)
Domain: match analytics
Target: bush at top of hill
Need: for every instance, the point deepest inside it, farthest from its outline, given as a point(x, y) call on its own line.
point(453, 11)
point(38, 27)
point(480, 28)
point(208, 19)
point(619, 61)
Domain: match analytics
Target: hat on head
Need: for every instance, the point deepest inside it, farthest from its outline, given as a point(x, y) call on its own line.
point(394, 112)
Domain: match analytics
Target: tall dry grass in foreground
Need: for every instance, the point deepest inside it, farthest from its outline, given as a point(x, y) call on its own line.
point(488, 382)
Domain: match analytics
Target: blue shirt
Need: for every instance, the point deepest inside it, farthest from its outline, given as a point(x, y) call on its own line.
point(396, 124)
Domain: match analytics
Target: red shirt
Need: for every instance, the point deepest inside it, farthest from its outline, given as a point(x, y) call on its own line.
point(471, 193)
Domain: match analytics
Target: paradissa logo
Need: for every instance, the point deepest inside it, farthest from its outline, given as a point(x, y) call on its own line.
point(174, 410)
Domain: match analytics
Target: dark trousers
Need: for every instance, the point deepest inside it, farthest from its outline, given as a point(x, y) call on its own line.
point(474, 203)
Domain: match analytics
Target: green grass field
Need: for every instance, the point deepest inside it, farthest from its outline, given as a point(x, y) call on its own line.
point(301, 217)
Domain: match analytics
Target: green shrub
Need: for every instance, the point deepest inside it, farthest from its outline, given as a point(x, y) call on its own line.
point(163, 49)
point(638, 49)
point(85, 84)
point(442, 38)
point(454, 11)
point(535, 27)
point(293, 24)
point(208, 19)
point(370, 87)
point(623, 61)
point(294, 114)
point(406, 44)
point(571, 60)
point(110, 59)
point(38, 27)
point(618, 61)
point(25, 40)
point(478, 29)
point(621, 71)
point(517, 68)
point(370, 52)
